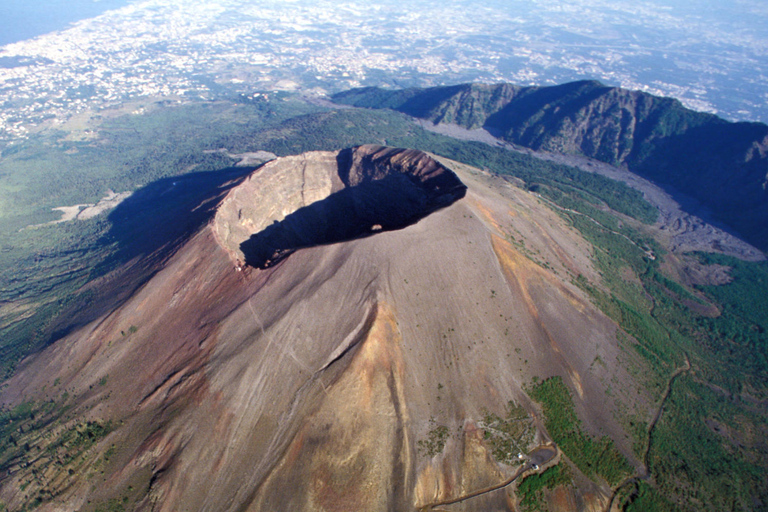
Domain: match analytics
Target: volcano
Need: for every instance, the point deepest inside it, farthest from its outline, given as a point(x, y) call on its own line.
point(352, 330)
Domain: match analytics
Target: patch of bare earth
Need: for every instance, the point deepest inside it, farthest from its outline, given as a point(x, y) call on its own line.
point(87, 210)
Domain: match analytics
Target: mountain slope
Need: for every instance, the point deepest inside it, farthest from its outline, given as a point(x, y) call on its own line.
point(350, 372)
point(721, 164)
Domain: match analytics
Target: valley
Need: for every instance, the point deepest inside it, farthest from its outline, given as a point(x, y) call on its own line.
point(689, 232)
point(721, 165)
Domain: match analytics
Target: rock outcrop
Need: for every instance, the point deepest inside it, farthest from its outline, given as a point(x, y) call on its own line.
point(336, 196)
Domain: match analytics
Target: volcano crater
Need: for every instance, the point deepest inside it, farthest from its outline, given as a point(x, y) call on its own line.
point(321, 198)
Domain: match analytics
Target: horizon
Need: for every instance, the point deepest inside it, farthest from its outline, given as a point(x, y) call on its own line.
point(712, 57)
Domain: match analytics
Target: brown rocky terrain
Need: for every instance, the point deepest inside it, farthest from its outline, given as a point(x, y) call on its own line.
point(390, 302)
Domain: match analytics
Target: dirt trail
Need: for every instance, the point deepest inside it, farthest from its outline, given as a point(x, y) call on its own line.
point(539, 457)
point(645, 474)
point(556, 206)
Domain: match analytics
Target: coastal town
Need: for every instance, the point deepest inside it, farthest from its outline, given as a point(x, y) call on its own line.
point(199, 50)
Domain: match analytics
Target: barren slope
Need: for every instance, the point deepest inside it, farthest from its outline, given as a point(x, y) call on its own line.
point(317, 381)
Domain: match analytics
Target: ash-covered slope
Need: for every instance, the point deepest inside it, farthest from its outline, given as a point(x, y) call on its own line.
point(359, 373)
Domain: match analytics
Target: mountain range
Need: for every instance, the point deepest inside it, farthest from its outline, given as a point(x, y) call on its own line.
point(721, 165)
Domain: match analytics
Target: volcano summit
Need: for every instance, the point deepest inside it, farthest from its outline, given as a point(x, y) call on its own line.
point(373, 354)
point(335, 197)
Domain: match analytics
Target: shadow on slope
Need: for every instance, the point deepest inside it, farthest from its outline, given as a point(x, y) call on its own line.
point(720, 164)
point(393, 202)
point(158, 217)
point(145, 229)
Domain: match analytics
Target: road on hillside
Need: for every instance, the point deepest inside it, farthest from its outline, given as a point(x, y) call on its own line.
point(539, 457)
point(645, 474)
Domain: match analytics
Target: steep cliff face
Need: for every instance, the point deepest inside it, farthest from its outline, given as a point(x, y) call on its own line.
point(720, 164)
point(355, 373)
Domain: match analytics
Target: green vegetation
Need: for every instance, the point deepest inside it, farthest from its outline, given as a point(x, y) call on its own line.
point(740, 335)
point(627, 301)
point(698, 455)
point(744, 296)
point(717, 466)
point(15, 425)
point(41, 436)
point(82, 435)
point(344, 128)
point(705, 449)
point(645, 498)
point(113, 505)
point(43, 270)
point(436, 439)
point(594, 457)
point(510, 436)
point(169, 157)
point(531, 489)
point(22, 430)
point(697, 153)
point(637, 428)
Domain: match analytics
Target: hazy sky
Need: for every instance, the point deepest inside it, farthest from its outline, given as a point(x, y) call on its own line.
point(23, 19)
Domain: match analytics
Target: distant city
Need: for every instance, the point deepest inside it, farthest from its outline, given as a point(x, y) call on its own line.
point(712, 55)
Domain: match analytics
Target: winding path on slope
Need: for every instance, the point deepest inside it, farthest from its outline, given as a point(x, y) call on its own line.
point(539, 457)
point(645, 474)
point(545, 454)
point(568, 210)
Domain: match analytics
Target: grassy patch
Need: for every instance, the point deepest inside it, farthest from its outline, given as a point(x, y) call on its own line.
point(740, 334)
point(593, 456)
point(435, 441)
point(704, 451)
point(531, 489)
point(36, 439)
point(113, 505)
point(699, 456)
point(509, 436)
point(645, 498)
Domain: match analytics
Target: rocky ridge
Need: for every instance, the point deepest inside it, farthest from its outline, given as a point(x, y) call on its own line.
point(722, 165)
point(337, 196)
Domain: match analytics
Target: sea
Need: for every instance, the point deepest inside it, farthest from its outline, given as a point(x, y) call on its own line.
point(25, 19)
